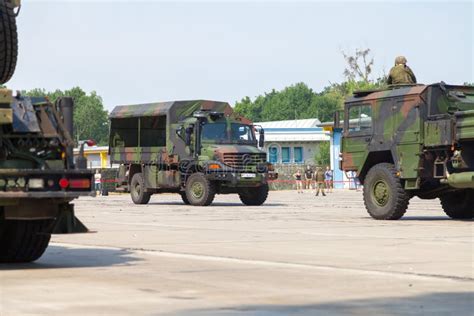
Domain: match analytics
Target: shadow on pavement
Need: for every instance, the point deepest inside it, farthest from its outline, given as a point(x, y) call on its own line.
point(432, 218)
point(214, 204)
point(449, 303)
point(58, 257)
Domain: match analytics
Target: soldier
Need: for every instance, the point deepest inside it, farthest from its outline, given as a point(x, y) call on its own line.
point(401, 73)
point(319, 177)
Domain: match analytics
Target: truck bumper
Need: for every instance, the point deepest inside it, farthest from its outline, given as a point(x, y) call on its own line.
point(243, 179)
point(463, 180)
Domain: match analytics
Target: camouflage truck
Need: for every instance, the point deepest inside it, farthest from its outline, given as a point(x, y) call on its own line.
point(194, 148)
point(412, 140)
point(38, 180)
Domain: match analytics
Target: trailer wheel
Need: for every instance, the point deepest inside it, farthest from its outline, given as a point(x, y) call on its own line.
point(459, 205)
point(23, 240)
point(137, 190)
point(8, 41)
point(254, 196)
point(384, 196)
point(199, 190)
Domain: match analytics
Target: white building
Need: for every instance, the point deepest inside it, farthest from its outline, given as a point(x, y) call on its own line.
point(293, 141)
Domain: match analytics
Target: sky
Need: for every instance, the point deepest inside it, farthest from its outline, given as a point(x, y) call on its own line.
point(147, 51)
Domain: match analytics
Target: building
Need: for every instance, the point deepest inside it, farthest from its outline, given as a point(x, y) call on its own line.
point(97, 156)
point(293, 141)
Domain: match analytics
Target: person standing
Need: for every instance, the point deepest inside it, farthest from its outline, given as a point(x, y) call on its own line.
point(308, 176)
point(328, 178)
point(401, 73)
point(319, 177)
point(299, 181)
point(98, 181)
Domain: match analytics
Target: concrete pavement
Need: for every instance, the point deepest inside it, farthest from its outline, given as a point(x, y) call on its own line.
point(296, 255)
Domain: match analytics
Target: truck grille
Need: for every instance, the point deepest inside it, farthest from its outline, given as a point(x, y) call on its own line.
point(244, 161)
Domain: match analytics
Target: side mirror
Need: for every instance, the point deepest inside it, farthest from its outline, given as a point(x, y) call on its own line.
point(188, 133)
point(261, 138)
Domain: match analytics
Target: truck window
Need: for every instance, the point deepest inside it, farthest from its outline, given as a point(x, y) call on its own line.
point(360, 118)
point(221, 133)
point(153, 131)
point(124, 132)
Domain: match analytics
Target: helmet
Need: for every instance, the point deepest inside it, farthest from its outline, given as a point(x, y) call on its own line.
point(400, 60)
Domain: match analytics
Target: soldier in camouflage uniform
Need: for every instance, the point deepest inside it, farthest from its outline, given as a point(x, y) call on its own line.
point(401, 73)
point(319, 177)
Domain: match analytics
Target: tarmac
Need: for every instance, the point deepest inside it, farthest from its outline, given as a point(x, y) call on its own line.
point(296, 255)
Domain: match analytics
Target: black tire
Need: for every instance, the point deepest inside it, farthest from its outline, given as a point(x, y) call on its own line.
point(384, 196)
point(8, 41)
point(137, 190)
point(184, 198)
point(199, 190)
point(23, 241)
point(459, 205)
point(254, 196)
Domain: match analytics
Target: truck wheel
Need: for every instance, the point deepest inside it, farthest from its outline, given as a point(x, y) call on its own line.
point(184, 198)
point(254, 196)
point(8, 41)
point(23, 241)
point(199, 190)
point(137, 190)
point(384, 196)
point(459, 205)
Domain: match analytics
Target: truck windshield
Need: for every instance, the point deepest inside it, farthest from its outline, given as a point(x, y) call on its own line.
point(224, 133)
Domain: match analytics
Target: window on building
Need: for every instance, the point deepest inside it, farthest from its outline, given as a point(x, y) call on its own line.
point(298, 152)
point(273, 154)
point(285, 154)
point(360, 118)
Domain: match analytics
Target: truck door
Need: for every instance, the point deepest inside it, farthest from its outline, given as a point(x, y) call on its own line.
point(357, 135)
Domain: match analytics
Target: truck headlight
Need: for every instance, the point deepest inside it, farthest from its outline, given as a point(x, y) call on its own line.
point(36, 183)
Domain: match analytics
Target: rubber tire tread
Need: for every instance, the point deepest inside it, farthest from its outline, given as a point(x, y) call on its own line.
point(210, 190)
point(144, 197)
point(402, 197)
point(8, 41)
point(458, 207)
point(24, 241)
point(254, 196)
point(184, 198)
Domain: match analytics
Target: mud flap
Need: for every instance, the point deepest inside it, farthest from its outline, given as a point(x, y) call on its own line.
point(67, 222)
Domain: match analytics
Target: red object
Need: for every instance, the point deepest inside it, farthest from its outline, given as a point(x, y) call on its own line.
point(79, 183)
point(64, 183)
point(90, 142)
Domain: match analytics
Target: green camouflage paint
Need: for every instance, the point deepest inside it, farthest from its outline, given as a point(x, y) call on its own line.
point(415, 127)
point(168, 163)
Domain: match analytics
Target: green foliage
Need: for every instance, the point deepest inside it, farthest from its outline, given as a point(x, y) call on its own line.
point(323, 156)
point(90, 117)
point(297, 101)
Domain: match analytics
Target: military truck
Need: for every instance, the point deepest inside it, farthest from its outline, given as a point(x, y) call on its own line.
point(195, 148)
point(412, 140)
point(8, 38)
point(38, 179)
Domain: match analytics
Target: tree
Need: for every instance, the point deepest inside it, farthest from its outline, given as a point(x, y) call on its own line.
point(323, 156)
point(359, 65)
point(90, 117)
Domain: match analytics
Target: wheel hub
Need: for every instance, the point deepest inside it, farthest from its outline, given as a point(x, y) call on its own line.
point(197, 189)
point(381, 193)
